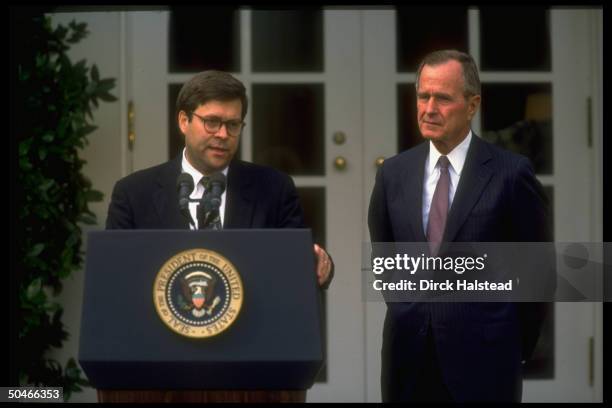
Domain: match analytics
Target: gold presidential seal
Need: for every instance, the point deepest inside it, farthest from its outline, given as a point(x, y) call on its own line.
point(198, 293)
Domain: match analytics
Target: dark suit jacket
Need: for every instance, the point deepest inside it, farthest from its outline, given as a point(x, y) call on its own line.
point(479, 345)
point(257, 197)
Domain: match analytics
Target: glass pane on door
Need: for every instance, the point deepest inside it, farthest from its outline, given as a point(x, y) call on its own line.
point(421, 30)
point(288, 127)
point(287, 40)
point(518, 117)
point(202, 38)
point(515, 38)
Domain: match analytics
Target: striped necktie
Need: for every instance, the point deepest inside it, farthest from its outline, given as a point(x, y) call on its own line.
point(439, 208)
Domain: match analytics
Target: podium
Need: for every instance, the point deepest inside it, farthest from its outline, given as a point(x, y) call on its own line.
point(201, 316)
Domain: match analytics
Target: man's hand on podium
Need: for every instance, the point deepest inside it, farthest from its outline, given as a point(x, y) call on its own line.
point(324, 268)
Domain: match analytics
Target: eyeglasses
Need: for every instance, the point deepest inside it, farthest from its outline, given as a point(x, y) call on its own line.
point(213, 124)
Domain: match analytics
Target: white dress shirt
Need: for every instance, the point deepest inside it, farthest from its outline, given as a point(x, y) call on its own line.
point(198, 191)
point(432, 174)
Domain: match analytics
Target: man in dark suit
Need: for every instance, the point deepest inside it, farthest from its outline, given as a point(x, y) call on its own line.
point(210, 110)
point(455, 187)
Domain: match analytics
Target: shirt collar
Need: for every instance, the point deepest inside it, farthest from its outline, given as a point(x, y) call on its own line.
point(456, 157)
point(193, 172)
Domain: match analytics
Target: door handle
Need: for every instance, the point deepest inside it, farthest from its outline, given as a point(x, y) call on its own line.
point(131, 131)
point(340, 163)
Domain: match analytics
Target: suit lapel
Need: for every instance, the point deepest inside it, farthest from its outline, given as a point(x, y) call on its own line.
point(474, 178)
point(165, 196)
point(413, 188)
point(240, 198)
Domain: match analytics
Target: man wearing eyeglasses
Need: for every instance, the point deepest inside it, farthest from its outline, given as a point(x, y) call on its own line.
point(210, 109)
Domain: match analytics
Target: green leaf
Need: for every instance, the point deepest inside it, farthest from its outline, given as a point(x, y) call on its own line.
point(74, 38)
point(72, 371)
point(80, 66)
point(60, 32)
point(46, 185)
point(54, 308)
point(41, 60)
point(39, 299)
point(84, 382)
point(48, 137)
point(82, 28)
point(34, 288)
point(90, 88)
point(67, 254)
point(105, 85)
point(64, 272)
point(95, 75)
point(67, 157)
point(36, 250)
point(23, 74)
point(24, 164)
point(64, 61)
point(89, 220)
point(106, 97)
point(94, 195)
point(42, 153)
point(24, 147)
point(85, 130)
point(73, 238)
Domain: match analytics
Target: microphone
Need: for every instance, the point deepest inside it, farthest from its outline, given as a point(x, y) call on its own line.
point(211, 200)
point(216, 186)
point(184, 185)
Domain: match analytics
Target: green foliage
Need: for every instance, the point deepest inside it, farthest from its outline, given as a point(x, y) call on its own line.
point(54, 106)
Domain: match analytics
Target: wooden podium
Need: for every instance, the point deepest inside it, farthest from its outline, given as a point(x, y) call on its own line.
point(200, 396)
point(271, 352)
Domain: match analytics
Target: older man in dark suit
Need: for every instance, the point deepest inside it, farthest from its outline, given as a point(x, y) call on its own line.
point(211, 108)
point(456, 188)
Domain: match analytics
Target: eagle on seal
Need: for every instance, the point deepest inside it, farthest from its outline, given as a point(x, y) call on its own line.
point(199, 288)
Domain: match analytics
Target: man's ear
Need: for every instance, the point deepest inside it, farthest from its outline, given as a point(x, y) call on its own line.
point(183, 121)
point(473, 105)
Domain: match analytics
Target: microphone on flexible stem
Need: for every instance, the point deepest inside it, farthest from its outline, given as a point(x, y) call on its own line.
point(184, 185)
point(216, 186)
point(211, 200)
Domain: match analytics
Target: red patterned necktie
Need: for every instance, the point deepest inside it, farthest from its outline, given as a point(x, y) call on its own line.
point(439, 208)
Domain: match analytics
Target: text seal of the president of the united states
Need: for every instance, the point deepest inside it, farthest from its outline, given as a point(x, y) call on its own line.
point(198, 293)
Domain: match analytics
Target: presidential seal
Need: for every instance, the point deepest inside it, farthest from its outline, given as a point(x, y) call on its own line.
point(198, 293)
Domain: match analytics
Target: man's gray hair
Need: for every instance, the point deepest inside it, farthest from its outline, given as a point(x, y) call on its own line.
point(471, 80)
